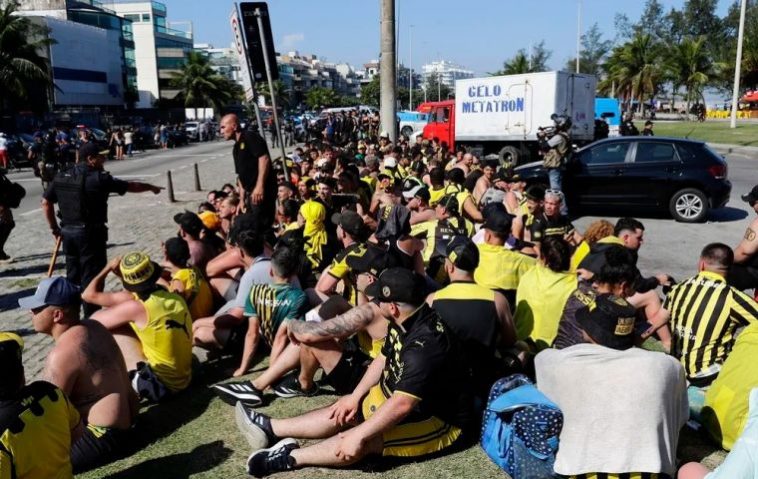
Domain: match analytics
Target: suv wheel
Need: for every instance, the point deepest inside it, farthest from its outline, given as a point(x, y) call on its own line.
point(407, 131)
point(689, 206)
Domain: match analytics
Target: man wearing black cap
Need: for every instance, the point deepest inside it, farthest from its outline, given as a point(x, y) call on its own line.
point(500, 269)
point(352, 234)
point(478, 316)
point(38, 423)
point(84, 349)
point(82, 197)
point(418, 202)
point(414, 397)
point(603, 429)
point(744, 272)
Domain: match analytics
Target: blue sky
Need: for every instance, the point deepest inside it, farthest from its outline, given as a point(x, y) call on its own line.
point(478, 34)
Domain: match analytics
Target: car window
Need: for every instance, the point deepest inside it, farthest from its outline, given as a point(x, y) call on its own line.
point(649, 152)
point(689, 152)
point(608, 153)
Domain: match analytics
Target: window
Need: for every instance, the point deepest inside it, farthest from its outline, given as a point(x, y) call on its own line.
point(133, 17)
point(145, 17)
point(609, 153)
point(655, 153)
point(689, 151)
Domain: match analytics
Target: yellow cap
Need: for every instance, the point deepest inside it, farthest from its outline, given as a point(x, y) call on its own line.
point(6, 336)
point(210, 220)
point(136, 268)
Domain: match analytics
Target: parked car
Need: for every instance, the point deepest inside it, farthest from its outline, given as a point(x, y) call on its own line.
point(411, 121)
point(685, 177)
point(191, 128)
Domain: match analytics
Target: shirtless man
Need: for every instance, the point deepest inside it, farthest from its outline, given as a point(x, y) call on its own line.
point(485, 181)
point(86, 364)
point(744, 272)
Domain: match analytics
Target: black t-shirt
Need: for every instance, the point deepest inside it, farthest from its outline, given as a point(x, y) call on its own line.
point(246, 152)
point(97, 186)
point(542, 227)
point(425, 360)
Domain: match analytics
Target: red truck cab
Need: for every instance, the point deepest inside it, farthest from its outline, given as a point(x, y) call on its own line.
point(441, 122)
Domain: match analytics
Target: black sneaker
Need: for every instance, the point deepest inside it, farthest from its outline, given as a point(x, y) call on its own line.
point(255, 426)
point(289, 387)
point(276, 458)
point(240, 391)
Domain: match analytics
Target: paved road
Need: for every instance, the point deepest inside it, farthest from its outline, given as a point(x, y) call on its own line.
point(150, 166)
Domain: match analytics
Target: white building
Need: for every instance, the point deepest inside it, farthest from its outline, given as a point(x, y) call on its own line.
point(159, 50)
point(224, 61)
point(448, 72)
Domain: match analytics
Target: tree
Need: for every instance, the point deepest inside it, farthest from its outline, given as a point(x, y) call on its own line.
point(435, 89)
point(200, 86)
point(634, 68)
point(319, 97)
point(281, 93)
point(692, 67)
point(522, 62)
point(654, 21)
point(22, 69)
point(370, 92)
point(594, 50)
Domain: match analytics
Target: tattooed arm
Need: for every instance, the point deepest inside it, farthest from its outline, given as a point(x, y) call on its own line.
point(749, 244)
point(339, 327)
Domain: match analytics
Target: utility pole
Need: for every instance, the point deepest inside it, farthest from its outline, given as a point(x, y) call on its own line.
point(578, 33)
point(410, 67)
point(387, 84)
point(737, 66)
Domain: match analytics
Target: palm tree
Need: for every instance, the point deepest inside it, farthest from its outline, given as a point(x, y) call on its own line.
point(200, 86)
point(692, 67)
point(281, 93)
point(21, 66)
point(634, 68)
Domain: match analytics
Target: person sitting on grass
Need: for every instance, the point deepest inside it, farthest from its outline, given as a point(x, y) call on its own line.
point(86, 364)
point(39, 423)
point(270, 305)
point(186, 280)
point(152, 326)
point(339, 340)
point(413, 400)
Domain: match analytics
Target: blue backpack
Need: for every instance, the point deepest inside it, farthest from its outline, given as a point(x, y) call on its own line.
point(520, 429)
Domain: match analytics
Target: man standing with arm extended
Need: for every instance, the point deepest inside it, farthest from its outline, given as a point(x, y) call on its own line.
point(82, 197)
point(252, 163)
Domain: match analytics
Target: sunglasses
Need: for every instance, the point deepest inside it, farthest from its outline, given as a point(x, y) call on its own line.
point(36, 311)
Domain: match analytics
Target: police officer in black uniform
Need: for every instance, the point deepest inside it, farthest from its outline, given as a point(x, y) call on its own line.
point(82, 193)
point(252, 164)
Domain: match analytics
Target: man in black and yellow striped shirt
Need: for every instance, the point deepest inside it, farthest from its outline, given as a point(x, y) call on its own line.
point(705, 312)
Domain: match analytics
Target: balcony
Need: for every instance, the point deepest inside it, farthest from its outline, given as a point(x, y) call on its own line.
point(172, 32)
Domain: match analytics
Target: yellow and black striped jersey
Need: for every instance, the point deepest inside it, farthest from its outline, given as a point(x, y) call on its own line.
point(705, 312)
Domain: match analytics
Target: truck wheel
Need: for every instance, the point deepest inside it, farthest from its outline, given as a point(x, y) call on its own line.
point(407, 131)
point(689, 206)
point(509, 156)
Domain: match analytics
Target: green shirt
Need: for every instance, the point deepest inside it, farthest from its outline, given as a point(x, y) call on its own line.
point(272, 304)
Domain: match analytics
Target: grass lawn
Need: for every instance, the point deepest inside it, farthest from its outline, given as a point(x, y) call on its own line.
point(712, 131)
point(194, 435)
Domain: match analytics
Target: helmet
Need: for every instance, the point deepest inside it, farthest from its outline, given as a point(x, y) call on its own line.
point(562, 122)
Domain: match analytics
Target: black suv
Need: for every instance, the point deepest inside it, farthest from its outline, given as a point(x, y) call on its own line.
point(685, 177)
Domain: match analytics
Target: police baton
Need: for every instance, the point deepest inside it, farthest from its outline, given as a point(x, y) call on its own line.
point(55, 256)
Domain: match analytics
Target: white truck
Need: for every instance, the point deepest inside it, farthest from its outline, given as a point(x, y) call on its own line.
point(501, 114)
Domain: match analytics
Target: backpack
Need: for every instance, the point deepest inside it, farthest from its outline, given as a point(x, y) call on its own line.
point(11, 193)
point(520, 429)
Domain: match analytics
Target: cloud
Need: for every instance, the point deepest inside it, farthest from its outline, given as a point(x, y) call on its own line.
point(290, 41)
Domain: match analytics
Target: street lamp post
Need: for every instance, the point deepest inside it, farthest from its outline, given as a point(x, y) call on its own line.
point(737, 66)
point(410, 67)
point(578, 33)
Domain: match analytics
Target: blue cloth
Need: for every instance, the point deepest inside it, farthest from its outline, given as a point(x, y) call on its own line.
point(741, 462)
point(696, 398)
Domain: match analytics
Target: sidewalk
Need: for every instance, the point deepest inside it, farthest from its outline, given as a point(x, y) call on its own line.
point(137, 222)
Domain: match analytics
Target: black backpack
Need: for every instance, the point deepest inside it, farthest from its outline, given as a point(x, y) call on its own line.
point(11, 193)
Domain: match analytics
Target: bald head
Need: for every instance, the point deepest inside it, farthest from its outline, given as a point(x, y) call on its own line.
point(229, 125)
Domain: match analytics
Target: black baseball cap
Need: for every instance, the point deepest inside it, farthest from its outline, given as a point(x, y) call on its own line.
point(398, 285)
point(350, 221)
point(751, 197)
point(418, 191)
point(190, 222)
point(535, 193)
point(496, 218)
point(609, 321)
point(463, 253)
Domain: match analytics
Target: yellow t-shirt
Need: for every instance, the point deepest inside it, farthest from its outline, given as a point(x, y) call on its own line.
point(537, 314)
point(39, 443)
point(197, 292)
point(436, 195)
point(167, 338)
point(500, 268)
point(583, 250)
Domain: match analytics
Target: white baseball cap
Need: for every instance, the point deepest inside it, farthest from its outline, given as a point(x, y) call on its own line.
point(390, 162)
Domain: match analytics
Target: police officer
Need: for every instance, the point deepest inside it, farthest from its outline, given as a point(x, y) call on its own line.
point(628, 128)
point(82, 196)
point(555, 152)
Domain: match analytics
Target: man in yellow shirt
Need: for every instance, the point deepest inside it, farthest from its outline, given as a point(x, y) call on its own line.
point(152, 326)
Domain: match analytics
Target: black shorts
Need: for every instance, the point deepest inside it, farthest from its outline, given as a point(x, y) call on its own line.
point(349, 370)
point(236, 342)
point(146, 384)
point(99, 446)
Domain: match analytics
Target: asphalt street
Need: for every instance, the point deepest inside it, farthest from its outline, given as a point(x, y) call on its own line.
point(669, 246)
point(150, 166)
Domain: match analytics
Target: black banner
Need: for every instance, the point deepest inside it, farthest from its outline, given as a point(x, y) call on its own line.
point(253, 38)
